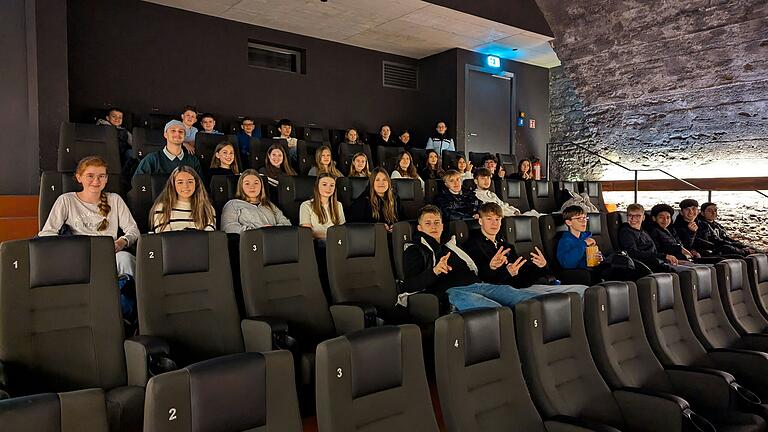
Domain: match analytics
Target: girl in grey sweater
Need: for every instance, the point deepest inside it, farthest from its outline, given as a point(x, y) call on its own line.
point(251, 208)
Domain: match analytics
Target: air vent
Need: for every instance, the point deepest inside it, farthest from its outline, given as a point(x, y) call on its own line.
point(400, 76)
point(276, 57)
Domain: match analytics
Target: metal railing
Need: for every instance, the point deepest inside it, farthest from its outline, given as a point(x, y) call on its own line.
point(635, 170)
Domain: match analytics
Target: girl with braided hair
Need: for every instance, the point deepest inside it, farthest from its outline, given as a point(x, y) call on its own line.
point(94, 212)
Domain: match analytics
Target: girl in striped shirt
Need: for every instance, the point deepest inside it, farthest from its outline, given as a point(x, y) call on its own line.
point(183, 204)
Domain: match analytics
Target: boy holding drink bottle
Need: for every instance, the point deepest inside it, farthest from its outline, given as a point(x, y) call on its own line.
point(577, 249)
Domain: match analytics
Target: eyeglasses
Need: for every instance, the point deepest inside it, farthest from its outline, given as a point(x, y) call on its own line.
point(91, 177)
point(578, 218)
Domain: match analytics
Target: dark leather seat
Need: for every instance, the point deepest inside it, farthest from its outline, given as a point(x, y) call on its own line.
point(513, 192)
point(77, 140)
point(146, 141)
point(387, 157)
point(374, 380)
point(348, 189)
point(60, 324)
point(623, 355)
point(411, 196)
point(449, 158)
point(292, 191)
point(145, 189)
point(738, 298)
point(757, 266)
point(76, 411)
point(543, 196)
point(235, 393)
point(594, 190)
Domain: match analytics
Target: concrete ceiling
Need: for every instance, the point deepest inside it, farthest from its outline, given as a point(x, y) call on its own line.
point(411, 28)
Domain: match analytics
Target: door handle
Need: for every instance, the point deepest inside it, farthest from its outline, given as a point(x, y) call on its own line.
point(472, 134)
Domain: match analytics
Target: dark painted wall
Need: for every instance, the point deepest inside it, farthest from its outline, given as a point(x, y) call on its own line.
point(524, 14)
point(146, 57)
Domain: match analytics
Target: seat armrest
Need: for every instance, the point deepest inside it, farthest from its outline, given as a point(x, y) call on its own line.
point(670, 413)
point(424, 307)
point(349, 317)
point(748, 367)
point(754, 341)
point(563, 423)
point(146, 356)
point(706, 388)
point(3, 383)
point(264, 333)
point(575, 276)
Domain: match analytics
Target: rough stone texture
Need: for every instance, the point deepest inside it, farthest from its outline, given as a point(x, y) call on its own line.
point(746, 223)
point(677, 84)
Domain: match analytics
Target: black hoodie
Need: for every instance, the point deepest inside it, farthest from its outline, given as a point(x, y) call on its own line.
point(421, 256)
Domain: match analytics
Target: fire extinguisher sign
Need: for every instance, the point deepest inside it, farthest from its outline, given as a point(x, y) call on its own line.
point(532, 124)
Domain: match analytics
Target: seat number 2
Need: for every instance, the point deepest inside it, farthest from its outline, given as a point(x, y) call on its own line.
point(172, 414)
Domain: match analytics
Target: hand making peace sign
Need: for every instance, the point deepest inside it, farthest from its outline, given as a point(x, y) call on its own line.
point(538, 258)
point(500, 258)
point(514, 267)
point(442, 266)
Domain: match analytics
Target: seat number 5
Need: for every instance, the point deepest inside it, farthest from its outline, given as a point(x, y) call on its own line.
point(172, 414)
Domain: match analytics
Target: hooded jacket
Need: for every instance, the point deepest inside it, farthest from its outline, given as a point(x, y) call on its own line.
point(421, 256)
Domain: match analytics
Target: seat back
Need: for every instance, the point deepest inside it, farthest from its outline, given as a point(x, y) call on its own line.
point(557, 364)
point(523, 232)
point(419, 157)
point(594, 190)
point(146, 141)
point(259, 147)
point(614, 221)
point(145, 188)
point(306, 153)
point(312, 133)
point(239, 392)
point(739, 304)
point(348, 189)
point(449, 159)
point(402, 234)
point(543, 196)
point(205, 147)
point(431, 190)
point(279, 276)
point(551, 229)
point(564, 190)
point(54, 183)
point(704, 307)
point(373, 379)
point(476, 158)
point(60, 325)
point(185, 295)
point(462, 229)
point(348, 151)
point(386, 157)
point(359, 268)
point(617, 338)
point(757, 266)
point(508, 161)
point(513, 192)
point(223, 188)
point(77, 140)
point(156, 121)
point(76, 411)
point(411, 196)
point(597, 224)
point(291, 192)
point(666, 323)
point(479, 377)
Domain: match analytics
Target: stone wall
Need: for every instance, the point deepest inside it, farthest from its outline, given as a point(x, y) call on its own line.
point(677, 84)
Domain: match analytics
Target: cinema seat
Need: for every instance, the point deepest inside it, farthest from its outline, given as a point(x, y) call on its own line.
point(479, 378)
point(292, 191)
point(625, 359)
point(77, 140)
point(614, 221)
point(431, 189)
point(348, 189)
point(411, 196)
point(60, 324)
point(259, 148)
point(757, 267)
point(145, 188)
point(543, 196)
point(146, 141)
point(564, 189)
point(551, 229)
point(223, 188)
point(564, 380)
point(523, 232)
point(419, 156)
point(373, 380)
point(476, 158)
point(305, 151)
point(449, 158)
point(738, 300)
point(508, 161)
point(235, 393)
point(205, 147)
point(594, 190)
point(387, 157)
point(83, 410)
point(513, 192)
point(348, 151)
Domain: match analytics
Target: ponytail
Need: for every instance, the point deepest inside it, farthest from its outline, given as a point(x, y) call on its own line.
point(104, 209)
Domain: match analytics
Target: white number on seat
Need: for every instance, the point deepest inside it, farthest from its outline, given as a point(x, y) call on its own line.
point(456, 343)
point(172, 414)
point(53, 188)
point(339, 373)
point(221, 189)
point(143, 188)
point(16, 264)
point(67, 149)
point(151, 255)
point(255, 248)
point(602, 308)
point(535, 323)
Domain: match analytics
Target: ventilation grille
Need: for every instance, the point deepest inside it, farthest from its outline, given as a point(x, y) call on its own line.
point(276, 57)
point(400, 76)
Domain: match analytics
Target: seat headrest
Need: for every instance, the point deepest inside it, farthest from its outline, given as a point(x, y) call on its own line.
point(514, 188)
point(281, 245)
point(556, 313)
point(704, 285)
point(523, 229)
point(617, 295)
point(761, 267)
point(303, 188)
point(48, 267)
point(184, 252)
point(358, 185)
point(405, 189)
point(665, 288)
point(361, 240)
point(737, 282)
point(229, 393)
point(376, 360)
point(594, 223)
point(482, 336)
point(542, 188)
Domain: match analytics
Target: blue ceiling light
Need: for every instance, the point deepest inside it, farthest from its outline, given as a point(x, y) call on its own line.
point(493, 61)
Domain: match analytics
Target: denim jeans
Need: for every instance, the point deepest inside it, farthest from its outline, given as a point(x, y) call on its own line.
point(488, 295)
point(549, 289)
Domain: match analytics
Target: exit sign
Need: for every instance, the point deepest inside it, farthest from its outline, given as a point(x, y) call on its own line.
point(494, 61)
point(532, 124)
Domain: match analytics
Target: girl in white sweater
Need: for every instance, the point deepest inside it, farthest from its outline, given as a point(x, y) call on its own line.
point(183, 204)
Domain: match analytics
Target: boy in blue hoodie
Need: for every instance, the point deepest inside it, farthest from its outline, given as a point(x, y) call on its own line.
point(572, 247)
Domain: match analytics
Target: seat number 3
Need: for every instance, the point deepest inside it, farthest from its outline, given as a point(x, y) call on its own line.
point(339, 373)
point(172, 414)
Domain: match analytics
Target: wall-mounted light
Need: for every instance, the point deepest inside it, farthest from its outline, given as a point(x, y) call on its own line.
point(493, 61)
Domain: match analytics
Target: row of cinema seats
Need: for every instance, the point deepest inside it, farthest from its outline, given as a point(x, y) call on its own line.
point(668, 345)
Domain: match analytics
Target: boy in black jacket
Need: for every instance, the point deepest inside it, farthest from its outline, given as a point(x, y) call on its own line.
point(445, 269)
point(455, 203)
point(639, 245)
point(498, 262)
